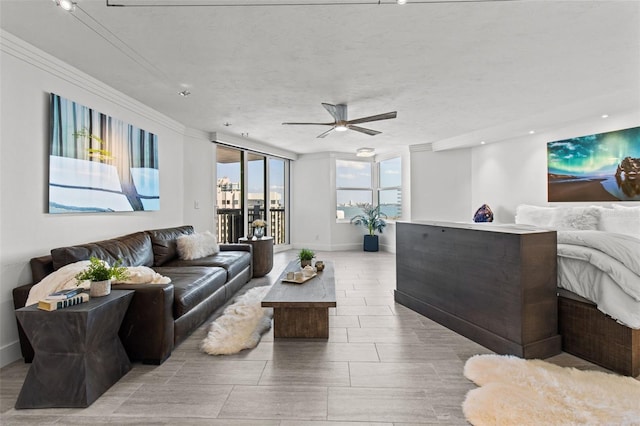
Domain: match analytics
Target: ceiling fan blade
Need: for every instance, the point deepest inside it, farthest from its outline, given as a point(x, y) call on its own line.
point(309, 124)
point(363, 130)
point(322, 135)
point(338, 112)
point(385, 116)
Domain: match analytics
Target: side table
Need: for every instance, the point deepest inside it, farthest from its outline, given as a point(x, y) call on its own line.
point(262, 254)
point(78, 354)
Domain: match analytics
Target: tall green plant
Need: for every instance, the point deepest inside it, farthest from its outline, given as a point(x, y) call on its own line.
point(372, 218)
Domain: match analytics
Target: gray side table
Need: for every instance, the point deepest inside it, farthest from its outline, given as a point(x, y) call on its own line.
point(78, 354)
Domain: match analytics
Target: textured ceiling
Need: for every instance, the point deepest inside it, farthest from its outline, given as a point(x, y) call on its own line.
point(455, 72)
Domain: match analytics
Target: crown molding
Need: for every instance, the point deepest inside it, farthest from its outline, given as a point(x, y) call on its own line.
point(20, 49)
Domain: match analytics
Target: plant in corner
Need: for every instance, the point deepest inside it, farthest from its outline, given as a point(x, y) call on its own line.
point(100, 274)
point(372, 219)
point(305, 256)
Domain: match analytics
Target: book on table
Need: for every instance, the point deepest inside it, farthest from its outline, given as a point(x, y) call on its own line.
point(54, 304)
point(66, 294)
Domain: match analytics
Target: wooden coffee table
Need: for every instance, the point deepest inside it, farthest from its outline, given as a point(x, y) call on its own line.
point(302, 310)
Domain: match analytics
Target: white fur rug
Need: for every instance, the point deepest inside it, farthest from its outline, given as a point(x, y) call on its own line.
point(241, 324)
point(514, 391)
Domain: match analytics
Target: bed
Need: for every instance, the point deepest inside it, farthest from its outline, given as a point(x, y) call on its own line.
point(598, 281)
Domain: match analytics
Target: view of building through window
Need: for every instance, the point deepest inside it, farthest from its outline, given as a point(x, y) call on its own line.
point(260, 172)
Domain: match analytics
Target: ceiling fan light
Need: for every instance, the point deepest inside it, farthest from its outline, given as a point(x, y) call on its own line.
point(67, 5)
point(341, 128)
point(365, 152)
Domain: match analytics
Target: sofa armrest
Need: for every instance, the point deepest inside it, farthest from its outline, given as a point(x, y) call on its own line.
point(236, 247)
point(147, 327)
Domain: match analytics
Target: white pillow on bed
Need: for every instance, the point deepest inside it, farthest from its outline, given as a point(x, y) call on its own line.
point(621, 220)
point(535, 215)
point(576, 218)
point(197, 246)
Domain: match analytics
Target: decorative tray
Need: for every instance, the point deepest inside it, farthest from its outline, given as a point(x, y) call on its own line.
point(301, 280)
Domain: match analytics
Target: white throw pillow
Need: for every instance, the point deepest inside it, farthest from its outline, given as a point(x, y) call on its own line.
point(197, 245)
point(577, 218)
point(534, 215)
point(621, 220)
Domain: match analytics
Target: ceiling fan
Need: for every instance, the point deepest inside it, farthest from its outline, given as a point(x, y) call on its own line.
point(341, 124)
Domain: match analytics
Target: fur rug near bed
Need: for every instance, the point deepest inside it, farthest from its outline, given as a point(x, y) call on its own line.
point(514, 391)
point(241, 324)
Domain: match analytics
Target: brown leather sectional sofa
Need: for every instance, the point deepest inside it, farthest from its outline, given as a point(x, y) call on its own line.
point(160, 316)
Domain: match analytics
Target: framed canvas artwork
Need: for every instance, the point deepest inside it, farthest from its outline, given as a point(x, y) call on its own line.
point(598, 167)
point(98, 163)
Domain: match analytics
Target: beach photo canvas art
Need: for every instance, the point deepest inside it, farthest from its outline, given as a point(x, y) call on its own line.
point(98, 163)
point(598, 167)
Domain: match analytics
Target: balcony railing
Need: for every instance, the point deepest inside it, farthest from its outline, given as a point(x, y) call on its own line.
point(230, 224)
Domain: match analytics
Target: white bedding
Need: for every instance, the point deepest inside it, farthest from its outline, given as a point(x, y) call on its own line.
point(605, 268)
point(64, 278)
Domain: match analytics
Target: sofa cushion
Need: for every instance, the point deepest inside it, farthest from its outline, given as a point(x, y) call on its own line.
point(192, 285)
point(133, 249)
point(164, 243)
point(234, 262)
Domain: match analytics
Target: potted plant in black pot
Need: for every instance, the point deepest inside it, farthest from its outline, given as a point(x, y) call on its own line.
point(372, 219)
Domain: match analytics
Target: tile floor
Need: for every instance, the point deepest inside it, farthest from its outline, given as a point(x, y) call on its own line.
point(383, 364)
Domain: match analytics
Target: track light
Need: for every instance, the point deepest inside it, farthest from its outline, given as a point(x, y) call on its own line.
point(67, 5)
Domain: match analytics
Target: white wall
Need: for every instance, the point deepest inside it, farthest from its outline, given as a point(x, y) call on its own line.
point(515, 172)
point(312, 213)
point(27, 76)
point(199, 181)
point(441, 184)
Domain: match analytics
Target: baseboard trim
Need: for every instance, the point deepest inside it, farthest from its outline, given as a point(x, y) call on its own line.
point(10, 353)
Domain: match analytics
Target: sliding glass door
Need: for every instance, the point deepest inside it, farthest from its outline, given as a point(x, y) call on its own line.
point(251, 186)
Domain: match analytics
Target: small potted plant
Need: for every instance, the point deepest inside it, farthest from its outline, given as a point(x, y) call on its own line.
point(372, 219)
point(258, 227)
point(100, 274)
point(305, 256)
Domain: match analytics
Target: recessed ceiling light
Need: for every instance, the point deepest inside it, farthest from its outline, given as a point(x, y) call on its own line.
point(402, 2)
point(531, 132)
point(482, 142)
point(604, 115)
point(184, 93)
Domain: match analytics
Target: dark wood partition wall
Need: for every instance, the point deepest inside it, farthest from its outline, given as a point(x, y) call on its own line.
point(493, 284)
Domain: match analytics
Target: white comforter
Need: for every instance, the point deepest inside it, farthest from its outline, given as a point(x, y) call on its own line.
point(65, 278)
point(612, 277)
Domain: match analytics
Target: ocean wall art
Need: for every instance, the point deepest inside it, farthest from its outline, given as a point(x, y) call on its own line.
point(598, 167)
point(98, 163)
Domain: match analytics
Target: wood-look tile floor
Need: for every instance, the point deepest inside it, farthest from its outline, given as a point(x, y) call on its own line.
point(383, 364)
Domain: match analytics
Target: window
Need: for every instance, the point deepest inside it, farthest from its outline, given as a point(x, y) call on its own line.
point(353, 186)
point(390, 187)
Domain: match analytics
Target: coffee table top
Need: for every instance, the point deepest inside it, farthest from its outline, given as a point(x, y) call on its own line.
point(318, 292)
